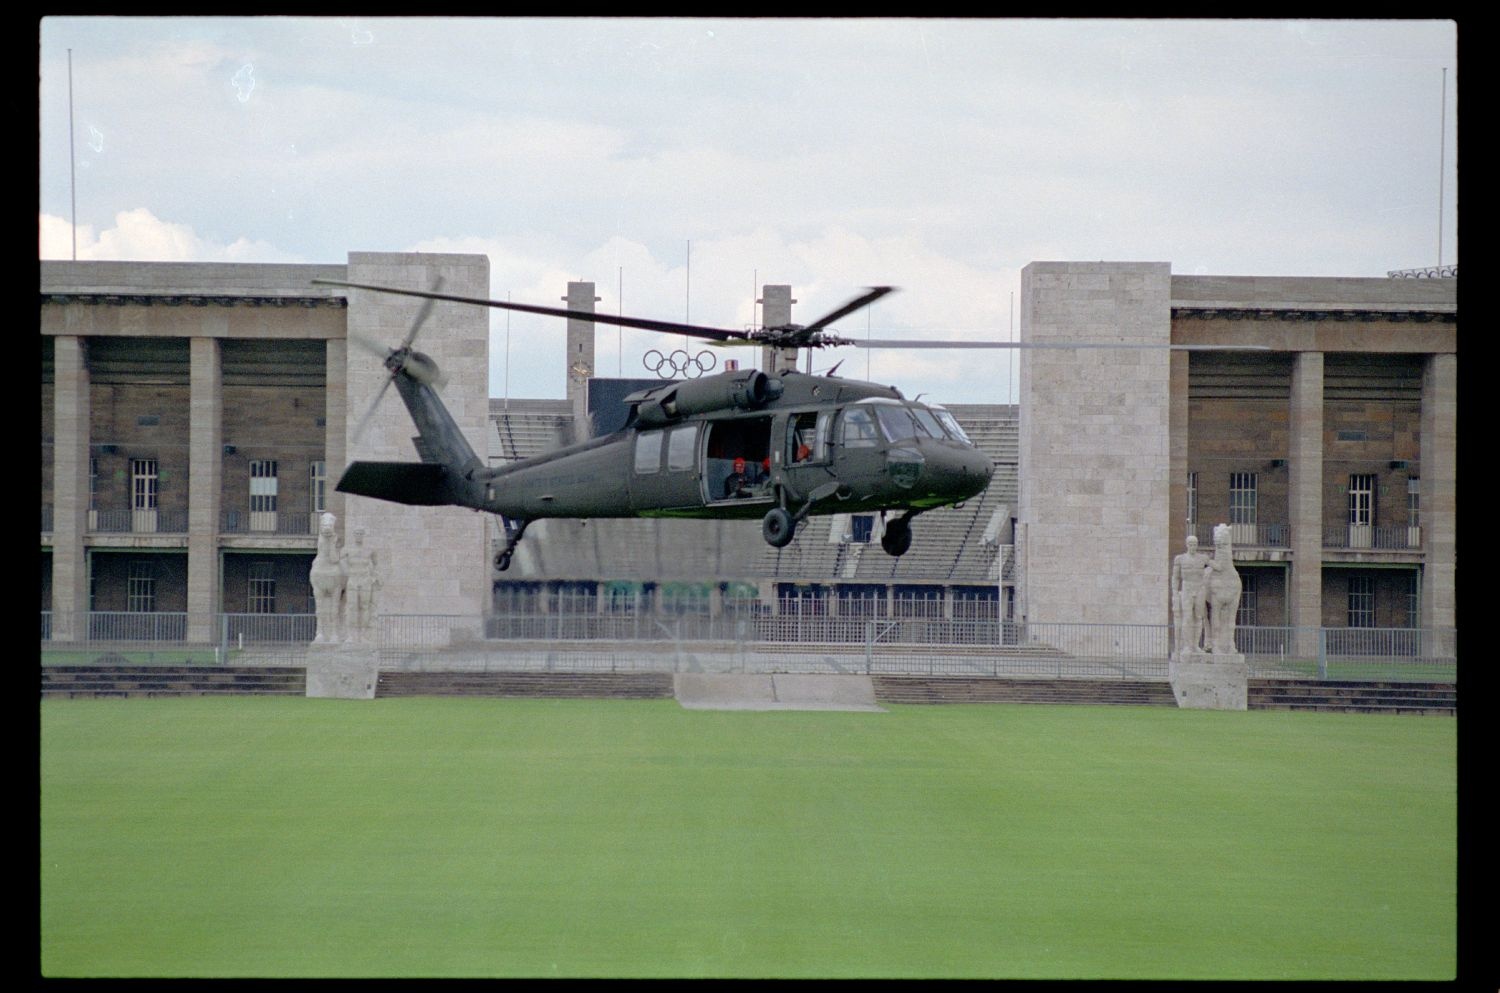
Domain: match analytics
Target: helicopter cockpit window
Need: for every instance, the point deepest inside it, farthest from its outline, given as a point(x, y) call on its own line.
point(858, 428)
point(896, 422)
point(951, 424)
point(927, 422)
point(647, 452)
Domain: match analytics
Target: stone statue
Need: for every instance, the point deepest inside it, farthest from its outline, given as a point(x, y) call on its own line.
point(1221, 594)
point(327, 579)
point(360, 569)
point(1187, 598)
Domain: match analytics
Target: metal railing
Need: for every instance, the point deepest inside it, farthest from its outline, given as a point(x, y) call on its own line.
point(1357, 536)
point(1248, 536)
point(241, 629)
point(268, 522)
point(751, 640)
point(138, 521)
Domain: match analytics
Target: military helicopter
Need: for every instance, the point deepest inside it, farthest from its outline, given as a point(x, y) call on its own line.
point(735, 445)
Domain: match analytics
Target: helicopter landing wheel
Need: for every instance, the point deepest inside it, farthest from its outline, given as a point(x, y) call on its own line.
point(778, 528)
point(897, 538)
point(502, 561)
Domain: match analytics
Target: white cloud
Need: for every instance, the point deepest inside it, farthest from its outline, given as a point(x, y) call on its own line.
point(140, 236)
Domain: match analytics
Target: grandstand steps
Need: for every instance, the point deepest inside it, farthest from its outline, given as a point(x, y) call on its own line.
point(962, 689)
point(1439, 699)
point(547, 685)
point(1263, 694)
point(166, 680)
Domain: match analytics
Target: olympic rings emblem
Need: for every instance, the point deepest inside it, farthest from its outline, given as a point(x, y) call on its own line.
point(679, 363)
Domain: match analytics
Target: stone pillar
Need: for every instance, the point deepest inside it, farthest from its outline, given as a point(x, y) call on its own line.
point(1305, 498)
point(205, 487)
point(1438, 490)
point(338, 420)
point(1180, 430)
point(432, 561)
point(580, 356)
point(70, 488)
point(775, 310)
point(1095, 442)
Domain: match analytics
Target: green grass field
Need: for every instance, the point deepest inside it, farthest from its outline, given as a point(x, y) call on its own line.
point(469, 837)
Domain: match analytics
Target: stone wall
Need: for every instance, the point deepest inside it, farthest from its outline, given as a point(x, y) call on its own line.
point(1094, 458)
point(432, 560)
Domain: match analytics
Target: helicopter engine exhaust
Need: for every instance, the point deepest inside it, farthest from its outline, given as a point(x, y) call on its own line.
point(744, 390)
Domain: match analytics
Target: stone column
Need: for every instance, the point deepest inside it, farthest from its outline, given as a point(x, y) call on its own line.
point(1180, 429)
point(1305, 498)
point(580, 356)
point(70, 488)
point(775, 310)
point(205, 487)
point(1438, 490)
point(1095, 442)
point(337, 420)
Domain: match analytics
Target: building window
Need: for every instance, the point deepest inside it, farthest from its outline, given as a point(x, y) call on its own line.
point(1414, 599)
point(143, 477)
point(140, 587)
point(262, 486)
point(861, 528)
point(1192, 501)
point(1247, 615)
point(262, 588)
point(1414, 502)
point(1361, 602)
point(1362, 499)
point(317, 480)
point(93, 480)
point(1242, 498)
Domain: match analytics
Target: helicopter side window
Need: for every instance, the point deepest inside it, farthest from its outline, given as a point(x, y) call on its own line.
point(647, 452)
point(682, 446)
point(803, 441)
point(896, 422)
point(858, 428)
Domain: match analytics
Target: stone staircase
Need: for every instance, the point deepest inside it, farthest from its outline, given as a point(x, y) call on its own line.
point(1440, 699)
point(547, 685)
point(962, 689)
point(172, 680)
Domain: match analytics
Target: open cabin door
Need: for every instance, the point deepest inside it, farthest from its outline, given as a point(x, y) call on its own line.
point(737, 461)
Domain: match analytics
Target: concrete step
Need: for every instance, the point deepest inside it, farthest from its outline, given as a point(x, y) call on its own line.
point(960, 689)
point(84, 681)
point(621, 685)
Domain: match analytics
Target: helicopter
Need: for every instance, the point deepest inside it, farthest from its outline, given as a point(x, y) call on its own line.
point(736, 445)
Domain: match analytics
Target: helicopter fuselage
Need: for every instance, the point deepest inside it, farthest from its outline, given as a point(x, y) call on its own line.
point(822, 445)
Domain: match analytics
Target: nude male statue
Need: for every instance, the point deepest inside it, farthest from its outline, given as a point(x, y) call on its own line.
point(1188, 615)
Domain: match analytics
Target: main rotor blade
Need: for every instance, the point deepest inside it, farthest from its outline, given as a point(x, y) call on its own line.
point(915, 343)
point(423, 313)
point(858, 303)
point(640, 323)
point(364, 422)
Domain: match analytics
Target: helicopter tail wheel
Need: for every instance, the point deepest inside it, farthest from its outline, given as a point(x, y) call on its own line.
point(897, 538)
point(778, 528)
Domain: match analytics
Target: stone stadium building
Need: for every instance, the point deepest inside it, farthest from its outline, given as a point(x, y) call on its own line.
point(195, 417)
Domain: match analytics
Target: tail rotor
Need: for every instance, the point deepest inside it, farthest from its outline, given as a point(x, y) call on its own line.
point(417, 365)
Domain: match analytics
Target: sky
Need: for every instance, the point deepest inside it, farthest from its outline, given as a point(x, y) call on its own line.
point(680, 164)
